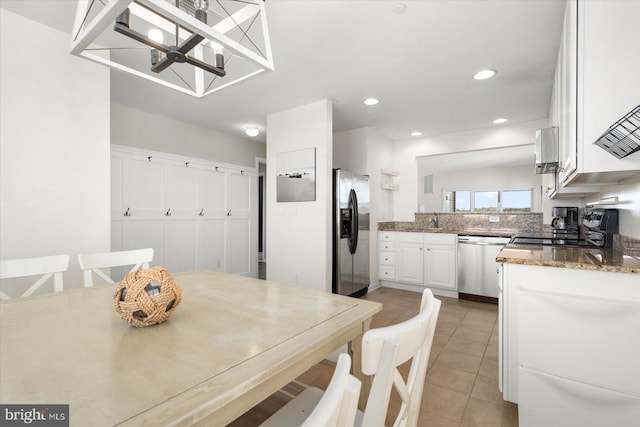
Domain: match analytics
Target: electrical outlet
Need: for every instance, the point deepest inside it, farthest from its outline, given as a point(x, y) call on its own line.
point(494, 218)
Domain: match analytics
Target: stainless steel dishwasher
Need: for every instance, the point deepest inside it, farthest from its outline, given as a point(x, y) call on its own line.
point(477, 267)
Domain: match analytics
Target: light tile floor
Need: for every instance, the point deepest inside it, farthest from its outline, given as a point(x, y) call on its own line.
point(461, 386)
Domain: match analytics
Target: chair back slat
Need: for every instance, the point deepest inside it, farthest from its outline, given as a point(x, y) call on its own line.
point(46, 267)
point(94, 263)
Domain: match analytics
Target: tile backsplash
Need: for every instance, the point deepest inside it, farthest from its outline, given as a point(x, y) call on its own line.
point(521, 222)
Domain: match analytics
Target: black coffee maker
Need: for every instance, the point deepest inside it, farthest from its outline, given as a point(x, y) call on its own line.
point(565, 222)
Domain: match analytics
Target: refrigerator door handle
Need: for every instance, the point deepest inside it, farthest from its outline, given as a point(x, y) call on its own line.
point(353, 206)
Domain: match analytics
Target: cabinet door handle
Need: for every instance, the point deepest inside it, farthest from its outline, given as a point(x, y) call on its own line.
point(127, 213)
point(229, 213)
point(168, 212)
point(201, 213)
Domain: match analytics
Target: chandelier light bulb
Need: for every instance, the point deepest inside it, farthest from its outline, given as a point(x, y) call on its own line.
point(156, 35)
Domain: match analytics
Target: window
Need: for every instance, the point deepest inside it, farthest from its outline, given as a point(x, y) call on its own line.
point(462, 201)
point(486, 201)
point(516, 201)
point(492, 200)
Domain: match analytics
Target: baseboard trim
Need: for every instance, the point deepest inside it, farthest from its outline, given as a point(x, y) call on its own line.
point(416, 288)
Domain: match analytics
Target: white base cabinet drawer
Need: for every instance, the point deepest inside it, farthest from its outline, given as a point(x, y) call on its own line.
point(387, 236)
point(387, 258)
point(387, 272)
point(551, 401)
point(581, 336)
point(385, 245)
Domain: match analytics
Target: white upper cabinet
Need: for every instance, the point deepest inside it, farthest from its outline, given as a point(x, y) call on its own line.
point(596, 85)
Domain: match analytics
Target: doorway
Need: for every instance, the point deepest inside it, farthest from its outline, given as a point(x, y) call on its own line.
point(262, 220)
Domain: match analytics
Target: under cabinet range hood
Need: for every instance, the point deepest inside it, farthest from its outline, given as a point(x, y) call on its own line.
point(546, 154)
point(623, 137)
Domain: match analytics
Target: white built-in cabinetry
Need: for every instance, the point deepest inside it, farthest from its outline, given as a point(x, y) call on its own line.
point(596, 84)
point(412, 259)
point(195, 214)
point(569, 348)
point(387, 255)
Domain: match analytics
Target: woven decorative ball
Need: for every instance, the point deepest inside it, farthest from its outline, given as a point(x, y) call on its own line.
point(147, 297)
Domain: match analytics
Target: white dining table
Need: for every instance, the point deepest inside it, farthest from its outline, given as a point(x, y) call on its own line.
point(232, 342)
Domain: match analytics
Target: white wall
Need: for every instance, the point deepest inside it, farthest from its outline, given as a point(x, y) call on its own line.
point(54, 146)
point(494, 178)
point(629, 206)
point(299, 233)
point(406, 151)
point(350, 150)
point(136, 128)
point(365, 151)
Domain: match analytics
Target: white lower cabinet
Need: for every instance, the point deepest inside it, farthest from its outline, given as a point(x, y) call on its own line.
point(418, 259)
point(411, 258)
point(440, 269)
point(387, 256)
point(569, 348)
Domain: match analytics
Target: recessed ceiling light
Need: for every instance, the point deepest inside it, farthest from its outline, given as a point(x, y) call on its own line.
point(399, 7)
point(252, 132)
point(500, 120)
point(371, 101)
point(416, 133)
point(484, 74)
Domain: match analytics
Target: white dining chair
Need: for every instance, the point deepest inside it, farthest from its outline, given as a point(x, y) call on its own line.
point(94, 263)
point(383, 350)
point(46, 267)
point(335, 407)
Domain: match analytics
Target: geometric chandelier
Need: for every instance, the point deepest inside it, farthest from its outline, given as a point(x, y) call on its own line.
point(197, 47)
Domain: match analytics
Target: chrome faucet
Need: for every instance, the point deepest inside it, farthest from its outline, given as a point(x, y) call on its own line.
point(434, 220)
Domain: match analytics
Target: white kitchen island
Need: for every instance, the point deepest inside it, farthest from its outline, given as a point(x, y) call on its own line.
point(569, 322)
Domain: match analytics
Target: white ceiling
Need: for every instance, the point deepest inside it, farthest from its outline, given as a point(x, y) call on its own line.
point(418, 63)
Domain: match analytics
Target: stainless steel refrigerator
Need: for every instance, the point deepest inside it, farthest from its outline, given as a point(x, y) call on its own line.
point(350, 233)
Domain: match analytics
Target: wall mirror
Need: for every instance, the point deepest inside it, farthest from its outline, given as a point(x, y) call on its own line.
point(491, 180)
